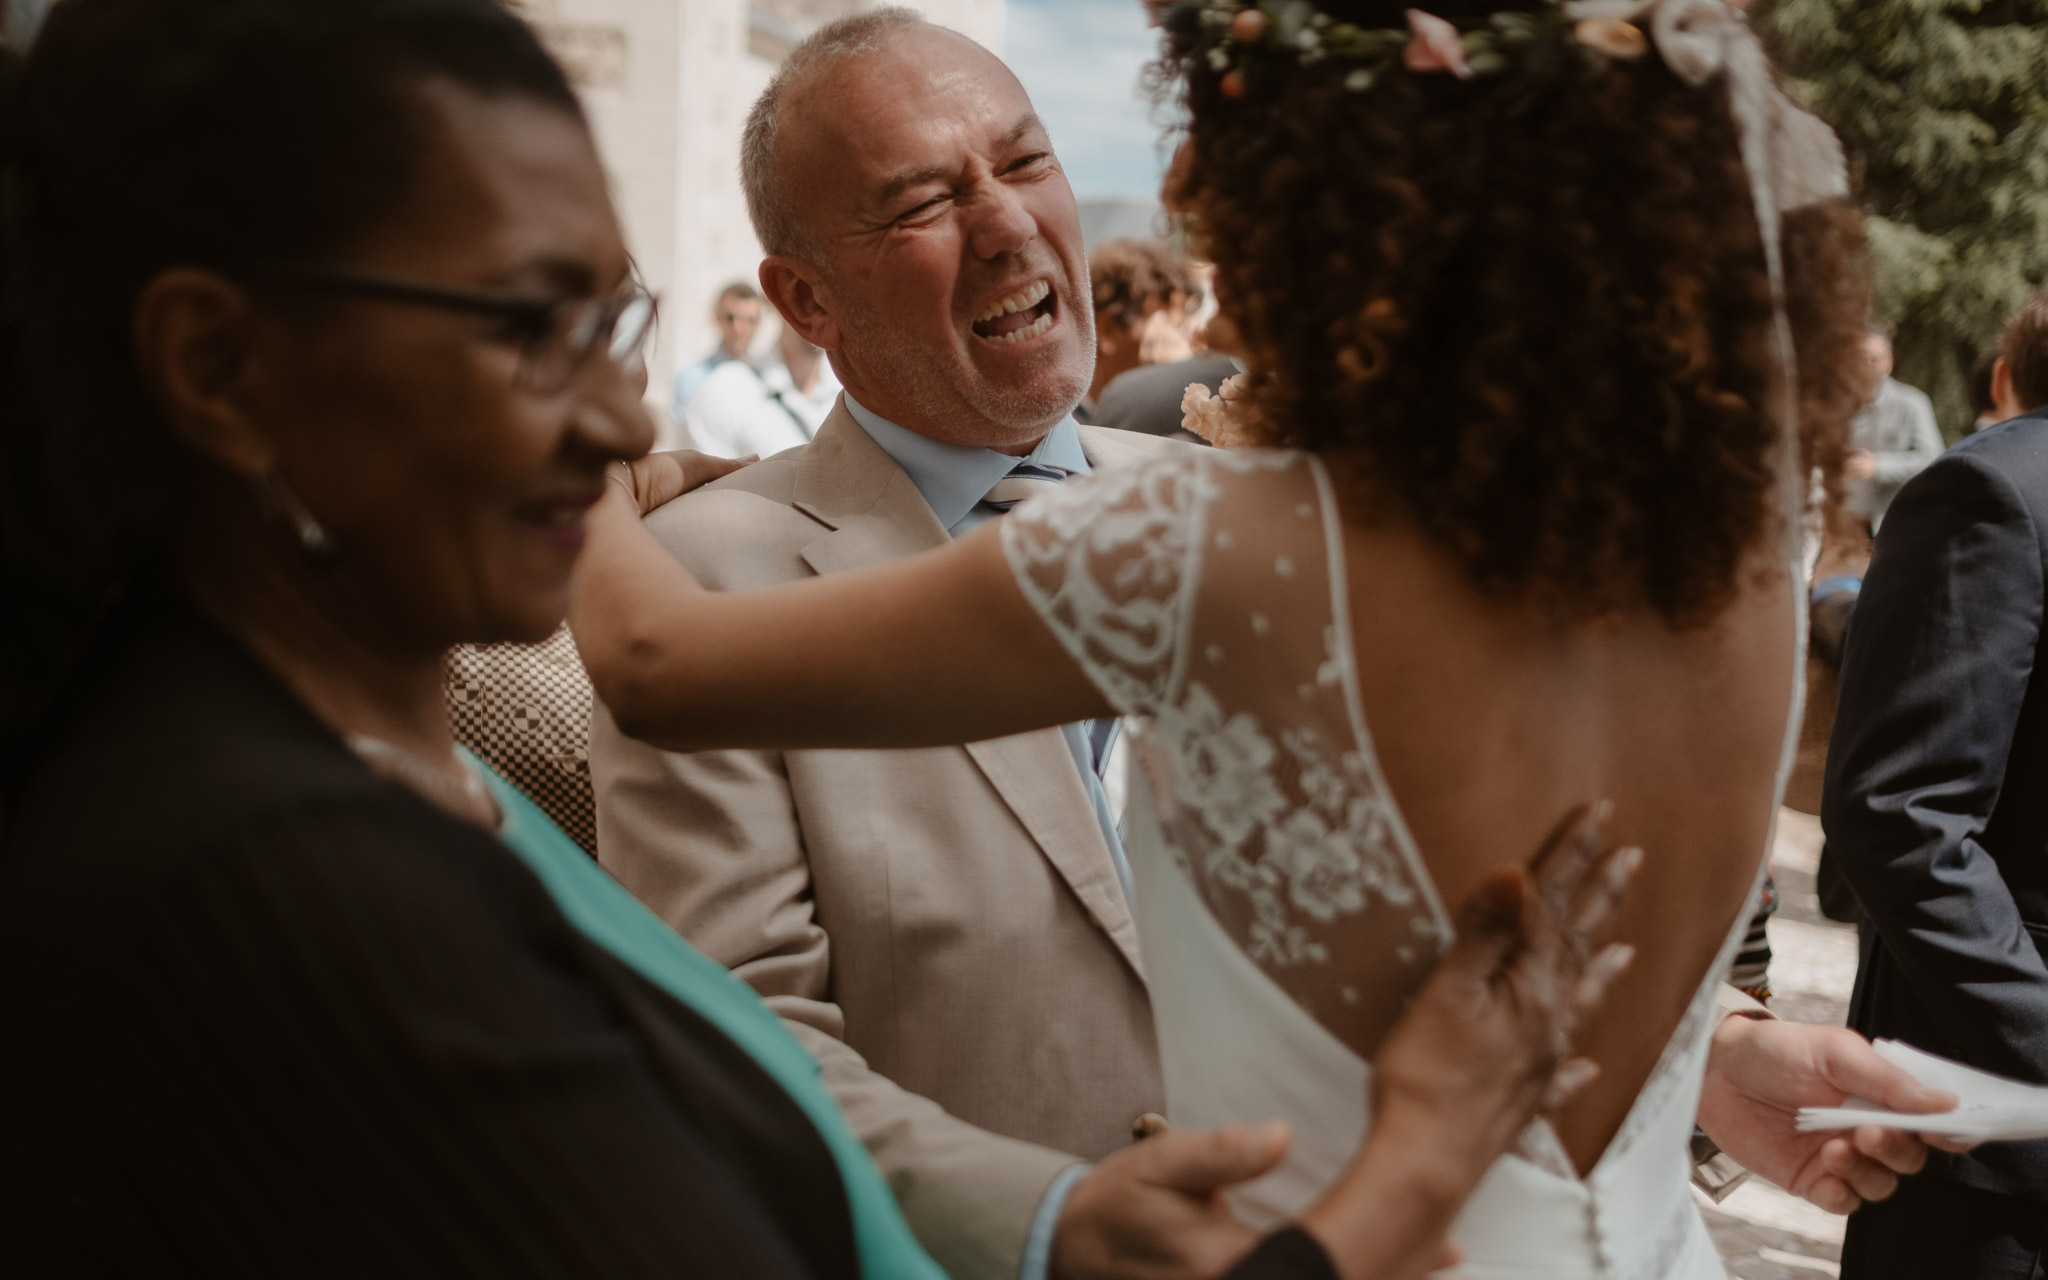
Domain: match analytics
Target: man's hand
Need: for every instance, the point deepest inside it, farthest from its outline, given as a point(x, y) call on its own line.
point(1761, 1072)
point(661, 478)
point(1861, 464)
point(1154, 1211)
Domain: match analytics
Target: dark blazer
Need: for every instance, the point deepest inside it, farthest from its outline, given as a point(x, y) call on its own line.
point(268, 1015)
point(1936, 801)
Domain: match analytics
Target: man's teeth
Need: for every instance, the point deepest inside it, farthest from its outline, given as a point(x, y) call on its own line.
point(1029, 296)
point(1031, 330)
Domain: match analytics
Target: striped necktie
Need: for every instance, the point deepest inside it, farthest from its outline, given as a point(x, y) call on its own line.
point(1026, 479)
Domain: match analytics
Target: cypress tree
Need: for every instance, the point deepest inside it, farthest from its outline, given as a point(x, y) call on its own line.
point(1943, 107)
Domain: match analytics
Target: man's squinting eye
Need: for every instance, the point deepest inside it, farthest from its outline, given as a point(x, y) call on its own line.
point(917, 211)
point(1024, 163)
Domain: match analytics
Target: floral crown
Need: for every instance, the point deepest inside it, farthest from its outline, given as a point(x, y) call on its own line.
point(1228, 36)
point(1792, 160)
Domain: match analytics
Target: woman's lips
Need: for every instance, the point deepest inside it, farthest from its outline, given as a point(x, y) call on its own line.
point(559, 520)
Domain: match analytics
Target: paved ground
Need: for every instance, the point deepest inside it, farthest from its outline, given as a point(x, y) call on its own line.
point(1765, 1233)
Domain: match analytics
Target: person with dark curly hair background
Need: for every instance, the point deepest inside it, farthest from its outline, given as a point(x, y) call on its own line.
point(1131, 282)
point(1549, 318)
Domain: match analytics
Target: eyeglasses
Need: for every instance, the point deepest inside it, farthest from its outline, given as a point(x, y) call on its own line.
point(555, 335)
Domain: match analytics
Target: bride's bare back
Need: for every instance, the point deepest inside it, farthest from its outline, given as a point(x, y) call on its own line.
point(1341, 735)
point(1488, 717)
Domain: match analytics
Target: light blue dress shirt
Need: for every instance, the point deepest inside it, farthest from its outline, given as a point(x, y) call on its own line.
point(954, 479)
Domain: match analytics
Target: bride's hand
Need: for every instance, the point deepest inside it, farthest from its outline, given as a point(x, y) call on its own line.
point(1485, 1046)
point(661, 478)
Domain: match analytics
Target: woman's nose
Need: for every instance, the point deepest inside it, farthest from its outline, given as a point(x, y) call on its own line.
point(611, 418)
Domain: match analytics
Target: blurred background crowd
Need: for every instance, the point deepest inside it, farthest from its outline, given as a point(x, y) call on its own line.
point(1940, 106)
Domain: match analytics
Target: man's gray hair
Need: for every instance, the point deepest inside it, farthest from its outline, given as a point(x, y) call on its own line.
point(768, 205)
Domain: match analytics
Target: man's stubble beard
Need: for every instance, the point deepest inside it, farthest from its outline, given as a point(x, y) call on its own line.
point(1012, 414)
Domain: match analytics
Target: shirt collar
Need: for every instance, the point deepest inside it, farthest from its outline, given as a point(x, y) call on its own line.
point(954, 478)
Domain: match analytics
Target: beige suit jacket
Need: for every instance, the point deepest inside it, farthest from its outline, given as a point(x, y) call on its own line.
point(943, 928)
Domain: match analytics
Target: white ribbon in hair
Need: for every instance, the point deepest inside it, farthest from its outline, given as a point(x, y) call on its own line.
point(1793, 160)
point(1793, 153)
point(1689, 34)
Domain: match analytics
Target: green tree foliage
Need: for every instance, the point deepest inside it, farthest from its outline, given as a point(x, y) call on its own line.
point(1943, 106)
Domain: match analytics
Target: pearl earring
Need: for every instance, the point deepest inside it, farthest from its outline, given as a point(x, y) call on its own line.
point(280, 503)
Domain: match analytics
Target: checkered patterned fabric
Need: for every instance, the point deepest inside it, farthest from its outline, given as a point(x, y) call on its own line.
point(525, 709)
point(1751, 971)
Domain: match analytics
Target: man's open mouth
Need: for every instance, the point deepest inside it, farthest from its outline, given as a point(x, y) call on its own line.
point(1024, 314)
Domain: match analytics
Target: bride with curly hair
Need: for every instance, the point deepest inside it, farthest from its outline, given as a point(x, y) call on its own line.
point(1551, 312)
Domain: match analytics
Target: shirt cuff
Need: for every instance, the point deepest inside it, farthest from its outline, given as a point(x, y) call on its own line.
point(1037, 1260)
point(1733, 1002)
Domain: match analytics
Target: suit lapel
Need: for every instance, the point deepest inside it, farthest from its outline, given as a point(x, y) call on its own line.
point(1108, 448)
point(848, 483)
point(1036, 776)
point(875, 513)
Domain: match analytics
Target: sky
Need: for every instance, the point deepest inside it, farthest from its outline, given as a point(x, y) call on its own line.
point(1080, 61)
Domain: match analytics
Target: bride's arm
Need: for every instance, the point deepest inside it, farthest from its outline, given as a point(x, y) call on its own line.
point(933, 649)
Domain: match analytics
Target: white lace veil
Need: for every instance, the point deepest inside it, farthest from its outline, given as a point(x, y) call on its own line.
point(1793, 161)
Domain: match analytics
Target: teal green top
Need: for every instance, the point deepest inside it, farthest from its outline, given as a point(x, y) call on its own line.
point(614, 919)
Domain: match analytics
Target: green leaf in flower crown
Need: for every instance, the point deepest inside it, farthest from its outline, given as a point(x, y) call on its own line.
point(1486, 62)
point(1292, 19)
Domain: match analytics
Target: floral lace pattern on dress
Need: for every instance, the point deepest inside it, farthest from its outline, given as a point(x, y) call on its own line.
point(1197, 592)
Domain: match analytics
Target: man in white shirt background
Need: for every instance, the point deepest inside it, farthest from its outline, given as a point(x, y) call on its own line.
point(737, 313)
point(765, 407)
point(1891, 440)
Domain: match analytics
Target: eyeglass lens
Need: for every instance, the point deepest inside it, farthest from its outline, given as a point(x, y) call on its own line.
point(622, 326)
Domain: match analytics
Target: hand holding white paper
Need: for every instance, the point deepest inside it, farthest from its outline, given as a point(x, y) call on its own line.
point(1992, 1108)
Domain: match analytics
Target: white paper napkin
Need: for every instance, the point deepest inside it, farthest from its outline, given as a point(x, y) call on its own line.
point(1993, 1109)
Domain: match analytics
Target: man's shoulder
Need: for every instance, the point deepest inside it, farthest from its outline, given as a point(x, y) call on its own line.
point(2016, 449)
point(1999, 474)
point(754, 490)
point(740, 524)
point(1114, 446)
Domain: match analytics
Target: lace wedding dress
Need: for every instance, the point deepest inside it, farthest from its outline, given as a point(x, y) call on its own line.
point(1278, 890)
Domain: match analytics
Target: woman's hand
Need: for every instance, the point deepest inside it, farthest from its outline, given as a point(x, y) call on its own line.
point(661, 478)
point(1485, 1044)
point(1484, 1047)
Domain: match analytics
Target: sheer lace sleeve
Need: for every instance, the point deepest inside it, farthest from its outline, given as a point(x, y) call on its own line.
point(1110, 563)
point(1206, 596)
